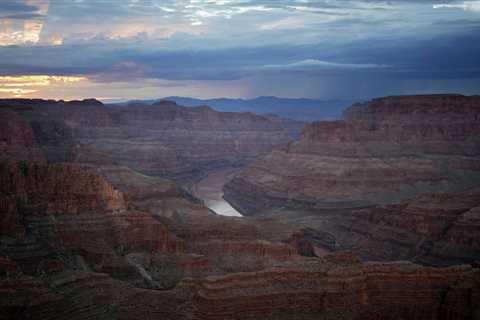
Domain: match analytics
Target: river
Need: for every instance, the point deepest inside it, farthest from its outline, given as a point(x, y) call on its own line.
point(210, 191)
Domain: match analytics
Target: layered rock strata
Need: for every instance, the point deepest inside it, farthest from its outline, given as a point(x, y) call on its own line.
point(332, 290)
point(384, 151)
point(71, 214)
point(105, 241)
point(335, 287)
point(398, 178)
point(163, 139)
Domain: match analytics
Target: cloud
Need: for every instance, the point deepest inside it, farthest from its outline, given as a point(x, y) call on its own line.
point(17, 6)
point(314, 64)
point(23, 16)
point(19, 86)
point(106, 60)
point(21, 22)
point(302, 44)
point(286, 23)
point(465, 5)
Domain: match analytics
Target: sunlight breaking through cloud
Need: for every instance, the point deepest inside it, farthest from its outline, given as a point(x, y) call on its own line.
point(18, 86)
point(26, 27)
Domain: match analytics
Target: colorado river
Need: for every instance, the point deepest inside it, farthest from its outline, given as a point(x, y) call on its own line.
point(210, 191)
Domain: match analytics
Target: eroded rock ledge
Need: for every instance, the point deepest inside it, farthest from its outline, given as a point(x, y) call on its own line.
point(335, 287)
point(384, 151)
point(164, 139)
point(398, 178)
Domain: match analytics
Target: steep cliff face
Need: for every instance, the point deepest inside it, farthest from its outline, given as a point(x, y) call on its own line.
point(17, 139)
point(163, 139)
point(30, 189)
point(384, 151)
point(141, 229)
point(58, 188)
point(336, 287)
point(397, 179)
point(73, 216)
point(180, 143)
point(446, 224)
point(345, 290)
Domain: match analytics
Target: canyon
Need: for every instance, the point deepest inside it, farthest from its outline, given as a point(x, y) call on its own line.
point(396, 175)
point(210, 191)
point(162, 139)
point(111, 212)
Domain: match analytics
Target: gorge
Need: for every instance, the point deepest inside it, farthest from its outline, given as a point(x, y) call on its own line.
point(123, 211)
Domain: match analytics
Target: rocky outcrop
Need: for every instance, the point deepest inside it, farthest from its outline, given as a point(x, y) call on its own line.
point(429, 215)
point(48, 189)
point(64, 211)
point(446, 224)
point(398, 178)
point(29, 189)
point(330, 289)
point(180, 143)
point(384, 151)
point(337, 286)
point(17, 139)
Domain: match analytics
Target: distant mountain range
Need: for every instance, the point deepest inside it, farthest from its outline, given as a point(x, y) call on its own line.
point(292, 108)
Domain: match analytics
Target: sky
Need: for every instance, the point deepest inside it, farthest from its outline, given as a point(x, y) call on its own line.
point(326, 49)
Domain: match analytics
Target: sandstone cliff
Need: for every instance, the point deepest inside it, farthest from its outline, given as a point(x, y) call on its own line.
point(163, 139)
point(73, 216)
point(17, 139)
point(333, 288)
point(101, 239)
point(398, 178)
point(384, 151)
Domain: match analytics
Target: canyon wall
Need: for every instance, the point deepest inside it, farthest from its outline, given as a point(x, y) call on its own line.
point(17, 139)
point(91, 228)
point(384, 151)
point(398, 178)
point(327, 289)
point(335, 290)
point(163, 139)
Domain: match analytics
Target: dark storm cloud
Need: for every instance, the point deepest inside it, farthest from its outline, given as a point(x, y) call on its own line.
point(320, 47)
point(17, 6)
point(455, 56)
point(23, 16)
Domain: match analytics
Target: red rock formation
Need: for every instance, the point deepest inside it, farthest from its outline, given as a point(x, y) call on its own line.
point(163, 139)
point(66, 189)
point(390, 150)
point(428, 215)
point(17, 139)
point(384, 151)
point(332, 287)
point(72, 209)
point(465, 230)
point(177, 142)
point(85, 242)
point(389, 291)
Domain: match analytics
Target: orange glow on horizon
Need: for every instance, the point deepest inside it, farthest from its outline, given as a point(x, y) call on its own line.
point(20, 86)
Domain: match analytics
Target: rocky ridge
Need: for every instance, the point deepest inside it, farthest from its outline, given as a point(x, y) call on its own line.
point(385, 151)
point(398, 178)
point(164, 139)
